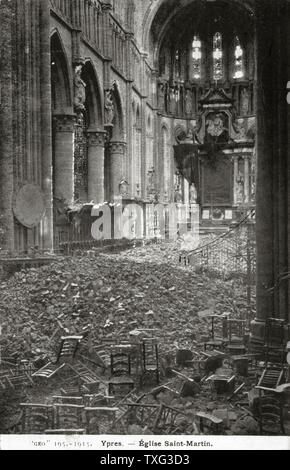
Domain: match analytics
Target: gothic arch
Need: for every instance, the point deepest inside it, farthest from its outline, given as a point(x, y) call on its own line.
point(118, 122)
point(94, 100)
point(61, 80)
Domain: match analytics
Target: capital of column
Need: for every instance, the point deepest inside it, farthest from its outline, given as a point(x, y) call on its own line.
point(64, 122)
point(96, 137)
point(118, 147)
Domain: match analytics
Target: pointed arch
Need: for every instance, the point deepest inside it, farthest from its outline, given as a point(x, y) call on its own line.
point(94, 99)
point(118, 122)
point(61, 79)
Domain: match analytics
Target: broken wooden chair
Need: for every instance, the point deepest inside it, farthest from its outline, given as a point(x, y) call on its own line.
point(85, 376)
point(97, 400)
point(150, 362)
point(275, 340)
point(120, 383)
point(68, 348)
point(222, 385)
point(66, 354)
point(171, 421)
point(66, 400)
point(235, 334)
point(274, 373)
point(36, 418)
point(143, 415)
point(99, 419)
point(209, 424)
point(14, 379)
point(216, 341)
point(68, 416)
point(270, 417)
point(271, 378)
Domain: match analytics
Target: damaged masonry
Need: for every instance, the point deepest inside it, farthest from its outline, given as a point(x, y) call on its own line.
point(144, 218)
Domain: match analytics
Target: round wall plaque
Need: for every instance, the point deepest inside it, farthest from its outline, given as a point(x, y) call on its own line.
point(29, 205)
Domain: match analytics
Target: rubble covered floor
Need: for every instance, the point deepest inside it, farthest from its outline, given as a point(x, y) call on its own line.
point(111, 295)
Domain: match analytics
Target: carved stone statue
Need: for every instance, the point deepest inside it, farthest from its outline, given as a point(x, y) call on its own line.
point(245, 102)
point(242, 135)
point(79, 90)
point(124, 188)
point(188, 103)
point(172, 101)
point(161, 96)
point(192, 194)
point(109, 108)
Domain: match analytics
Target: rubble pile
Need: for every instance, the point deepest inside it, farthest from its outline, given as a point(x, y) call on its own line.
point(111, 295)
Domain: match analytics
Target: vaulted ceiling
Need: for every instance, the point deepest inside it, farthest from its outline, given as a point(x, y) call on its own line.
point(176, 20)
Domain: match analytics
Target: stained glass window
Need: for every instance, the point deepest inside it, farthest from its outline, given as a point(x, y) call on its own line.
point(217, 57)
point(196, 58)
point(239, 60)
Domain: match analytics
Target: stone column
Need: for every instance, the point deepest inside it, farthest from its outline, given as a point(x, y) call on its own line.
point(64, 157)
point(247, 178)
point(46, 128)
point(271, 110)
point(96, 165)
point(6, 135)
point(236, 173)
point(116, 165)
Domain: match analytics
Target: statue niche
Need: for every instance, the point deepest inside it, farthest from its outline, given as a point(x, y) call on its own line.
point(79, 90)
point(109, 108)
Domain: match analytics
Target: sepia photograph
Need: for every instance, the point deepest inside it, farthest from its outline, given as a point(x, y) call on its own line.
point(144, 226)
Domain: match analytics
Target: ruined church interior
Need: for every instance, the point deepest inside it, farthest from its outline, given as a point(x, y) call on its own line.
point(144, 217)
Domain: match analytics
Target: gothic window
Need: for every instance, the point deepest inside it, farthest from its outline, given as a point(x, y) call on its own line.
point(217, 57)
point(177, 63)
point(196, 58)
point(239, 62)
point(81, 159)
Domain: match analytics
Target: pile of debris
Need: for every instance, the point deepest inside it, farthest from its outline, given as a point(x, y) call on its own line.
point(109, 299)
point(110, 295)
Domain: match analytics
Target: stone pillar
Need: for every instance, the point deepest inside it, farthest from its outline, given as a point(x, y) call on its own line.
point(271, 109)
point(64, 157)
point(236, 173)
point(6, 135)
point(96, 165)
point(116, 165)
point(247, 178)
point(46, 128)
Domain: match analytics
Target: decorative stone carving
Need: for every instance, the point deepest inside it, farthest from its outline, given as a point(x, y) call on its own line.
point(64, 122)
point(192, 194)
point(188, 103)
point(217, 129)
point(124, 188)
point(161, 96)
point(118, 147)
point(245, 102)
point(79, 90)
point(109, 108)
point(96, 138)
